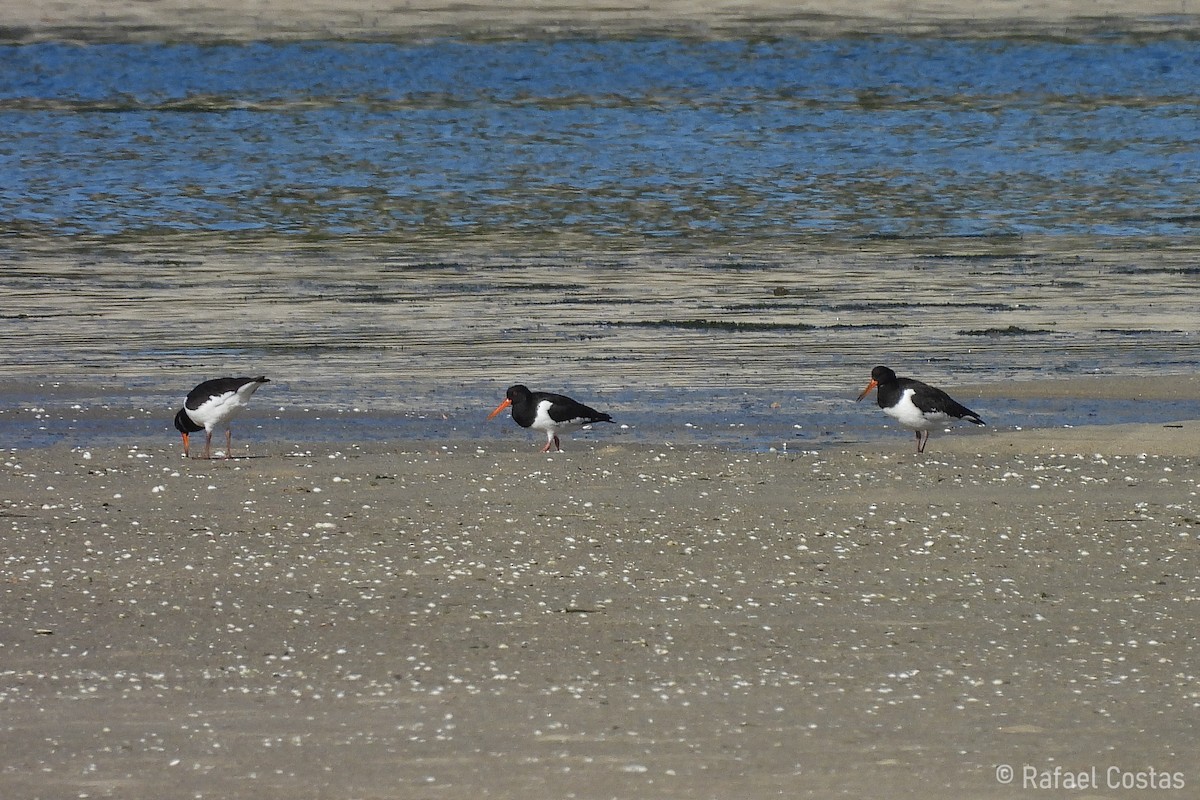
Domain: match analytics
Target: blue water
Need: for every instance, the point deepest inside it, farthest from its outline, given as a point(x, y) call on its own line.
point(613, 142)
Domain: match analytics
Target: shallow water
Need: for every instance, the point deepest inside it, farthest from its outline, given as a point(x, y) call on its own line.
point(612, 140)
point(750, 353)
point(714, 239)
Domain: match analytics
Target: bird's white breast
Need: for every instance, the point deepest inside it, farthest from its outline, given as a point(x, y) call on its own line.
point(543, 422)
point(907, 414)
point(217, 410)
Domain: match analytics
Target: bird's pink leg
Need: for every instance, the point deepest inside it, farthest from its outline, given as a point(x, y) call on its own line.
point(208, 444)
point(228, 442)
point(921, 440)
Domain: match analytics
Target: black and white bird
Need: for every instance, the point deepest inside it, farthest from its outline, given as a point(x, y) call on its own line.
point(212, 405)
point(915, 405)
point(552, 413)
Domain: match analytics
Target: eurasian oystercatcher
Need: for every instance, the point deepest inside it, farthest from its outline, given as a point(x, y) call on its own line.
point(211, 405)
point(915, 405)
point(545, 411)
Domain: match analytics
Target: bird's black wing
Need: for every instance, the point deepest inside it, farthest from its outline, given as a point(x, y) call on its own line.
point(563, 408)
point(215, 388)
point(931, 399)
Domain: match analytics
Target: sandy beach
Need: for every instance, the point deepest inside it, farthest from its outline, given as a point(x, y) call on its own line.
point(615, 621)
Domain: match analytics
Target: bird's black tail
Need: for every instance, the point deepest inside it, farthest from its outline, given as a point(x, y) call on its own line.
point(957, 409)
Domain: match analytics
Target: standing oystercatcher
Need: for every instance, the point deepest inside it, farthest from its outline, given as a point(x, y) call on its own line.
point(545, 411)
point(916, 405)
point(211, 405)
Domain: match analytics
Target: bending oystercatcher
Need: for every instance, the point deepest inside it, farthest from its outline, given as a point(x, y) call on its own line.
point(545, 411)
point(211, 405)
point(916, 405)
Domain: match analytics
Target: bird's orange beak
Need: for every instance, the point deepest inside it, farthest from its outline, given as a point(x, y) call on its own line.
point(867, 390)
point(500, 408)
point(185, 445)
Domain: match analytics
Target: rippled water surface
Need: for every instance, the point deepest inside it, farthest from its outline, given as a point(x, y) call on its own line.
point(607, 139)
point(410, 226)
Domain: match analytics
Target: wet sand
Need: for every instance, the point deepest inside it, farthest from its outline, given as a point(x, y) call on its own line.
point(371, 18)
point(465, 620)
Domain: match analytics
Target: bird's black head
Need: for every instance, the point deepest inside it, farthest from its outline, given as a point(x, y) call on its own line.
point(882, 374)
point(517, 392)
point(184, 424)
